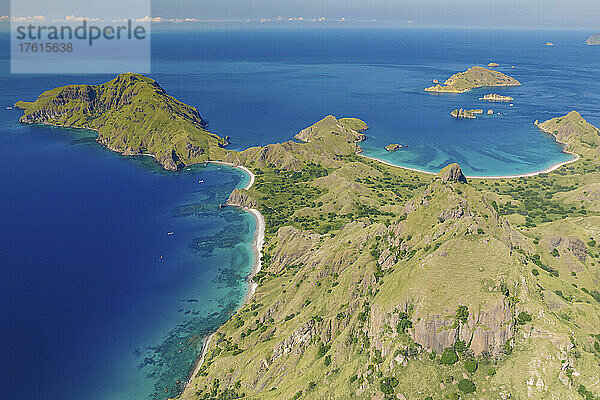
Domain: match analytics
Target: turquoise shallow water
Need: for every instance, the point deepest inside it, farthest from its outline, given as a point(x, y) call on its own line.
point(99, 300)
point(92, 309)
point(262, 87)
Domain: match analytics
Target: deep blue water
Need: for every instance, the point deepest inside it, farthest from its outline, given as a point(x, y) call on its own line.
point(91, 310)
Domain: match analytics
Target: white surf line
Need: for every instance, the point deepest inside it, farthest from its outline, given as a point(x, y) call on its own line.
point(257, 244)
point(545, 171)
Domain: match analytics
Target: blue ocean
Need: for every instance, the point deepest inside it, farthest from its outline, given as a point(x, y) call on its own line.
point(113, 270)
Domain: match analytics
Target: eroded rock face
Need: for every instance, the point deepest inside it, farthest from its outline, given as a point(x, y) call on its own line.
point(435, 333)
point(452, 173)
point(490, 329)
point(485, 331)
point(296, 342)
point(578, 248)
point(240, 198)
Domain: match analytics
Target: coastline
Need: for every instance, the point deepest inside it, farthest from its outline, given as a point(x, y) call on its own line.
point(257, 245)
point(553, 167)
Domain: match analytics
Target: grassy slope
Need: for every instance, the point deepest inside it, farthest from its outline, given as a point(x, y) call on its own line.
point(133, 115)
point(474, 77)
point(366, 267)
point(355, 247)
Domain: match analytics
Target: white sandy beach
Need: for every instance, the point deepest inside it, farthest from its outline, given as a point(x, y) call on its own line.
point(257, 244)
point(545, 171)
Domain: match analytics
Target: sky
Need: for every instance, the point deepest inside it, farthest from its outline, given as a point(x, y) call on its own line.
point(509, 14)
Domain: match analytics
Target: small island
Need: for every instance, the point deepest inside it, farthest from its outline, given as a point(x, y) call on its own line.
point(376, 238)
point(493, 64)
point(593, 40)
point(468, 114)
point(393, 147)
point(474, 77)
point(496, 98)
point(549, 44)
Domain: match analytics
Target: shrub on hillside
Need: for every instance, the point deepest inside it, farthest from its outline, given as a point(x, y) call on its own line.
point(466, 386)
point(449, 357)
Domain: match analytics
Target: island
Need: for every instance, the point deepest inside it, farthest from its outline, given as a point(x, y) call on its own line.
point(393, 147)
point(496, 98)
point(468, 114)
point(377, 281)
point(493, 64)
point(593, 40)
point(490, 112)
point(549, 44)
point(474, 77)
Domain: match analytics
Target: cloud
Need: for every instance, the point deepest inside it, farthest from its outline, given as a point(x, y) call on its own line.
point(31, 18)
point(74, 18)
point(188, 20)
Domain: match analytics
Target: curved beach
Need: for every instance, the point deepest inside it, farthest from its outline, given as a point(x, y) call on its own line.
point(257, 244)
point(534, 173)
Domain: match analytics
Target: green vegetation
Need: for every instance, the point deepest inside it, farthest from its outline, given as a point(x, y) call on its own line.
point(387, 385)
point(471, 366)
point(449, 357)
point(474, 77)
point(523, 318)
point(377, 280)
point(132, 115)
point(466, 386)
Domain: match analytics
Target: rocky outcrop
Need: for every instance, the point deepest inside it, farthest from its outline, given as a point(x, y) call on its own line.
point(496, 98)
point(393, 147)
point(468, 114)
point(485, 331)
point(296, 342)
point(488, 330)
point(435, 333)
point(593, 40)
point(577, 248)
point(241, 198)
point(452, 173)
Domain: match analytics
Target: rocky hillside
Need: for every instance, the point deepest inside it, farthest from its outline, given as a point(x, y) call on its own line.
point(473, 78)
point(380, 283)
point(132, 115)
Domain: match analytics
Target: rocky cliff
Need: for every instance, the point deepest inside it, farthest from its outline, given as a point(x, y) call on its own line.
point(240, 198)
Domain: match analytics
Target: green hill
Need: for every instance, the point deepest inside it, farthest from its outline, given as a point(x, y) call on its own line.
point(378, 282)
point(132, 115)
point(473, 78)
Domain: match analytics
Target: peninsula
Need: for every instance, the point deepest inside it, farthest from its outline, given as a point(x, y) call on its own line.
point(382, 282)
point(474, 77)
point(133, 115)
point(593, 40)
